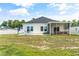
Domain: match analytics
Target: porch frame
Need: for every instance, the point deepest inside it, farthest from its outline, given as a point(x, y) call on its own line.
point(50, 26)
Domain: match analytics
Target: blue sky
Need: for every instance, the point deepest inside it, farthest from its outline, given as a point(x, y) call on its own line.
point(27, 11)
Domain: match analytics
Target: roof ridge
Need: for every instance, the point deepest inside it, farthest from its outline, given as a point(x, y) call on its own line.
point(41, 19)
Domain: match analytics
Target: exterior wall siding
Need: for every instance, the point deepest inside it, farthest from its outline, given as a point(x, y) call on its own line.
point(36, 28)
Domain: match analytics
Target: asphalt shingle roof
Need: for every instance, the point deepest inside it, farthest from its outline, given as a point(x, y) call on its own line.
point(41, 20)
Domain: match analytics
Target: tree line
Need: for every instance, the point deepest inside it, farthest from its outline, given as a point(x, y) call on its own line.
point(18, 24)
point(13, 23)
point(74, 22)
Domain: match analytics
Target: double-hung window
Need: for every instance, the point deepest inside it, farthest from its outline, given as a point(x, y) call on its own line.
point(29, 28)
point(41, 28)
point(44, 28)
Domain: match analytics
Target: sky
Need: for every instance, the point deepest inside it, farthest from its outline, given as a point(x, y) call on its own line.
point(27, 11)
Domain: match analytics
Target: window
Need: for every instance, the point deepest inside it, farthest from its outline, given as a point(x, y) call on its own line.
point(45, 29)
point(29, 28)
point(41, 28)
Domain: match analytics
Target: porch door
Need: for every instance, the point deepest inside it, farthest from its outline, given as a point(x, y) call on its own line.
point(56, 30)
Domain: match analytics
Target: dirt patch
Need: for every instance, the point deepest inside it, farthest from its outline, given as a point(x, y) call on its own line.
point(40, 47)
point(69, 47)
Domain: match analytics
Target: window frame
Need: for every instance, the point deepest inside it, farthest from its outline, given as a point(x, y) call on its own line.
point(45, 28)
point(29, 28)
point(41, 28)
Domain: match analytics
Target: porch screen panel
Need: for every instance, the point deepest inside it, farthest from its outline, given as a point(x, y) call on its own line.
point(66, 26)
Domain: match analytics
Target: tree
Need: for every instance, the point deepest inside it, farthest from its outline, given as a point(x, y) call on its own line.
point(4, 23)
point(13, 23)
point(10, 23)
point(17, 24)
point(78, 23)
point(22, 21)
point(74, 23)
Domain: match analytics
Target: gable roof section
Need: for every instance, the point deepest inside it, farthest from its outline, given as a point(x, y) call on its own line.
point(41, 20)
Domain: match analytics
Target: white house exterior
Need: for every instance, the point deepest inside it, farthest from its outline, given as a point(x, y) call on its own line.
point(36, 28)
point(43, 25)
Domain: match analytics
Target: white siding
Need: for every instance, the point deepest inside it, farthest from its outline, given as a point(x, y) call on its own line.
point(36, 28)
point(74, 30)
point(8, 31)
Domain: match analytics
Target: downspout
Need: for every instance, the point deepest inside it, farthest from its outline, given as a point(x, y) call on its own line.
point(50, 29)
point(69, 28)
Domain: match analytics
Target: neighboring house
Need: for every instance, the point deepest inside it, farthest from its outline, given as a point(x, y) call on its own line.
point(43, 25)
point(7, 30)
point(74, 30)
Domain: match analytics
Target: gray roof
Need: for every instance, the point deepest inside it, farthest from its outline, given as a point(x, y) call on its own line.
point(41, 20)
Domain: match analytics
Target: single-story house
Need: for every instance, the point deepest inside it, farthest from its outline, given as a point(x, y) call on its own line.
point(44, 25)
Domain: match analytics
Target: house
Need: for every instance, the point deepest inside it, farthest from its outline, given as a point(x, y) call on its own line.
point(44, 25)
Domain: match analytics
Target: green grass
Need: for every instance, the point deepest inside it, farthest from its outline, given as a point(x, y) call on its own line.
point(46, 45)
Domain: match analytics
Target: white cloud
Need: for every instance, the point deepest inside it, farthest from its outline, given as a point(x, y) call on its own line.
point(62, 12)
point(61, 7)
point(40, 1)
point(76, 6)
point(24, 4)
point(66, 17)
point(20, 11)
point(52, 5)
point(75, 15)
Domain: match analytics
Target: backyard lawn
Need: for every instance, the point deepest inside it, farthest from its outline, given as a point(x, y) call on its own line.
point(46, 45)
